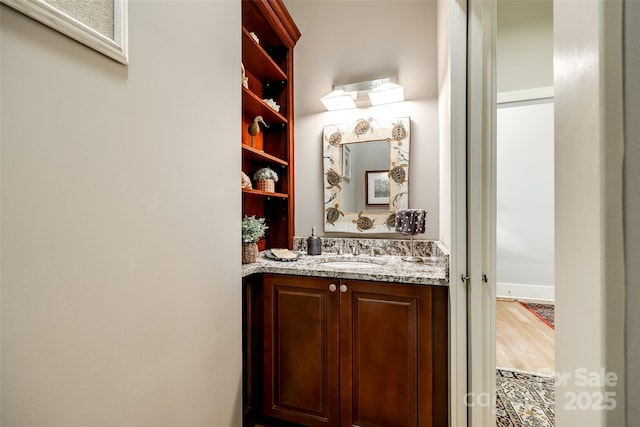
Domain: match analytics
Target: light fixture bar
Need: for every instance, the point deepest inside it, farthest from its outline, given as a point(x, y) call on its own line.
point(361, 89)
point(378, 91)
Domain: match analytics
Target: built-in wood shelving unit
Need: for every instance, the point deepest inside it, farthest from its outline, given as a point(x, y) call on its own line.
point(268, 65)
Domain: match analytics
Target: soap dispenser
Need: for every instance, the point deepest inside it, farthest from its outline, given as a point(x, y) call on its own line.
point(314, 243)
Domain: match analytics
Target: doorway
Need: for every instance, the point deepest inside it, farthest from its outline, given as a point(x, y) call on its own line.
point(525, 235)
point(589, 234)
point(524, 213)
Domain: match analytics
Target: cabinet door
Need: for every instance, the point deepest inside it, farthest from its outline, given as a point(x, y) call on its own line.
point(301, 350)
point(386, 355)
point(252, 359)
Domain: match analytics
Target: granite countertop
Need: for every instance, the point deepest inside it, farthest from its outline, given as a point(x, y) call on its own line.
point(388, 268)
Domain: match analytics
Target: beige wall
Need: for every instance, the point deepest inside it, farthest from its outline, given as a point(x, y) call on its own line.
point(524, 44)
point(351, 41)
point(121, 291)
point(632, 206)
point(444, 36)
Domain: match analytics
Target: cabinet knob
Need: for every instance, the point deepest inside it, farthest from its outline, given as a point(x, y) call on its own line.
point(343, 288)
point(332, 287)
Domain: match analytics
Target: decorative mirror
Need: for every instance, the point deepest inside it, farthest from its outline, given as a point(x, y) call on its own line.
point(366, 174)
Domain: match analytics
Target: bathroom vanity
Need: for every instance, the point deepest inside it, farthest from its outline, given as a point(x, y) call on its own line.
point(342, 340)
point(356, 336)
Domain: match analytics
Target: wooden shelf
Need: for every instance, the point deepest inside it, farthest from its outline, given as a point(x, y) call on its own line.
point(259, 155)
point(253, 192)
point(254, 106)
point(257, 60)
point(268, 66)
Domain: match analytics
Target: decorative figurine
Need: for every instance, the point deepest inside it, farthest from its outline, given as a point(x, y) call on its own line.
point(254, 128)
point(245, 79)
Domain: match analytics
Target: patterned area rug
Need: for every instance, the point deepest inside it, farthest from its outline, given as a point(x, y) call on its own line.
point(524, 399)
point(544, 312)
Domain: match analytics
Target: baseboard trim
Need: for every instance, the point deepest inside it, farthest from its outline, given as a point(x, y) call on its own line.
point(526, 293)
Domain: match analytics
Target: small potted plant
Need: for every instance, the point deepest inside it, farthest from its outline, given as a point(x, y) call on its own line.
point(252, 230)
point(266, 179)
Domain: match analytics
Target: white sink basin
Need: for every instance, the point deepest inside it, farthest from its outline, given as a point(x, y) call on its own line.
point(349, 264)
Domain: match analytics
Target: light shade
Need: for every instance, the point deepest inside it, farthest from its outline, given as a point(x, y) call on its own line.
point(386, 93)
point(338, 100)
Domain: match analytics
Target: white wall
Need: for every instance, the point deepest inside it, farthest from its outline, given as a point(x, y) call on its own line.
point(524, 62)
point(352, 41)
point(632, 205)
point(121, 289)
point(524, 200)
point(524, 45)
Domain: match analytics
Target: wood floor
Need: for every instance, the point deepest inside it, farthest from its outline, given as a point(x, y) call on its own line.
point(523, 341)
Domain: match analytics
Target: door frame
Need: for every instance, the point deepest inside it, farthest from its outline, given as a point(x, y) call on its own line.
point(481, 211)
point(588, 63)
point(467, 100)
point(452, 109)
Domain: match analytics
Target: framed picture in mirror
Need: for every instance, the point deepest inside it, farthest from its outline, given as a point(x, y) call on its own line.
point(377, 187)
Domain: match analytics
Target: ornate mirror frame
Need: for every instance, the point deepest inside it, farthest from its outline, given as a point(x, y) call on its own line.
point(397, 133)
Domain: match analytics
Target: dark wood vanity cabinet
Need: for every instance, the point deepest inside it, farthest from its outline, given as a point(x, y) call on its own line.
point(354, 353)
point(301, 350)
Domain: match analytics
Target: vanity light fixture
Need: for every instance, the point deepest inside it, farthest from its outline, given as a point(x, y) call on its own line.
point(338, 100)
point(378, 92)
point(386, 93)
